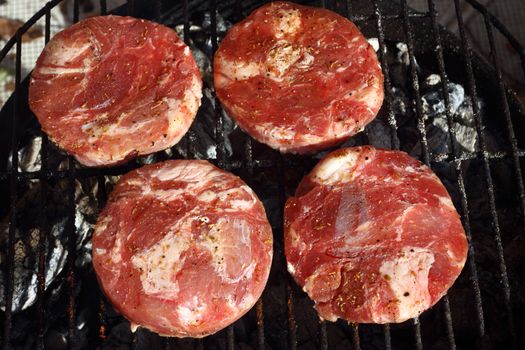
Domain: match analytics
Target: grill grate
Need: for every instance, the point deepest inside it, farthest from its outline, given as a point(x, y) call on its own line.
point(252, 164)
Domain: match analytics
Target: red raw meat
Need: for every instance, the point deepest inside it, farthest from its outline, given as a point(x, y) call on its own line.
point(182, 248)
point(298, 78)
point(110, 88)
point(373, 237)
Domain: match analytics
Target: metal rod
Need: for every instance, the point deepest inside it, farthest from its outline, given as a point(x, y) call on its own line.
point(13, 197)
point(43, 232)
point(71, 257)
point(231, 338)
point(292, 326)
point(471, 82)
point(415, 83)
point(417, 333)
point(219, 126)
point(101, 199)
point(388, 338)
point(323, 336)
point(76, 11)
point(103, 7)
point(448, 323)
point(235, 165)
point(386, 72)
point(131, 7)
point(260, 323)
point(355, 336)
point(186, 15)
point(190, 138)
point(459, 174)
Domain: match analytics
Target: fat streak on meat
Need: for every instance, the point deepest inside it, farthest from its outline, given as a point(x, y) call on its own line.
point(298, 78)
point(110, 88)
point(373, 237)
point(182, 248)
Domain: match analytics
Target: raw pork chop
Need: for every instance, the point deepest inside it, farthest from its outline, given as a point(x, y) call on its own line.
point(182, 248)
point(109, 88)
point(298, 78)
point(372, 236)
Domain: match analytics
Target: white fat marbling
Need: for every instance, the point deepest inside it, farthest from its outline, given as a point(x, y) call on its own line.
point(191, 312)
point(288, 23)
point(281, 57)
point(336, 169)
point(160, 262)
point(408, 280)
point(60, 54)
point(221, 247)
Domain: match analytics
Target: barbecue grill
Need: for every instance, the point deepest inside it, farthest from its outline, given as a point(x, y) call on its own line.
point(48, 201)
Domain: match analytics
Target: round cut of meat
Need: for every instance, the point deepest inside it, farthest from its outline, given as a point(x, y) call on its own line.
point(298, 78)
point(182, 248)
point(110, 88)
point(373, 237)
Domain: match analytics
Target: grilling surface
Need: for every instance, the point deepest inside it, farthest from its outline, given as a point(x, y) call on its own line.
point(48, 199)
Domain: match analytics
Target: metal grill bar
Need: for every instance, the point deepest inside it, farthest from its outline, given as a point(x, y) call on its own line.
point(259, 309)
point(355, 336)
point(190, 138)
point(486, 166)
point(391, 116)
point(292, 326)
point(388, 338)
point(386, 72)
point(506, 112)
point(417, 333)
point(43, 232)
point(231, 338)
point(71, 240)
point(448, 322)
point(101, 198)
point(323, 336)
point(186, 27)
point(235, 165)
point(421, 123)
point(219, 126)
point(219, 132)
point(13, 196)
point(130, 7)
point(415, 82)
point(71, 257)
point(348, 5)
point(76, 11)
point(459, 174)
point(103, 7)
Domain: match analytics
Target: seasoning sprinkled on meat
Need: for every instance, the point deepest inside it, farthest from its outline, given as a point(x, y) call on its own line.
point(373, 237)
point(298, 78)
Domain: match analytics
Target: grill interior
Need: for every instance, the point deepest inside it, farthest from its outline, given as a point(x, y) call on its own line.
point(484, 309)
